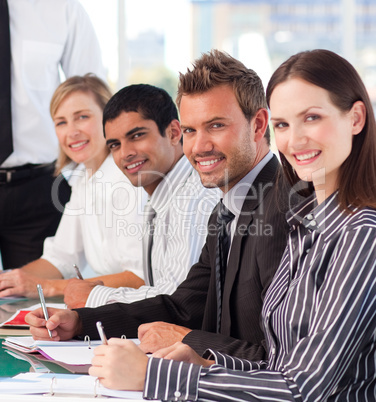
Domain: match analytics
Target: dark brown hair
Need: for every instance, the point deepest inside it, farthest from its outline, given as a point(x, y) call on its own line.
point(327, 70)
point(218, 68)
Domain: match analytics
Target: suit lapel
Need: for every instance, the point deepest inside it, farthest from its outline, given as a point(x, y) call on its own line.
point(256, 194)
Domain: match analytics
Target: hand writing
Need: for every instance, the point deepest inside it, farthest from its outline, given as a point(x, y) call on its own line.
point(120, 365)
point(63, 324)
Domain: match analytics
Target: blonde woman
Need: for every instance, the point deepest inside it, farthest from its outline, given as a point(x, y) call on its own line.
point(101, 223)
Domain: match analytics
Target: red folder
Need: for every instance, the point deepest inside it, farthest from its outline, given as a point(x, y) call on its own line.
point(17, 320)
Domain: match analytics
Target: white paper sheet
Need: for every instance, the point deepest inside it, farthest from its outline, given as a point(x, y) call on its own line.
point(34, 383)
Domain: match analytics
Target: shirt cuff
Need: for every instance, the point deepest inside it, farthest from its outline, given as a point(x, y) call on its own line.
point(233, 363)
point(99, 296)
point(171, 380)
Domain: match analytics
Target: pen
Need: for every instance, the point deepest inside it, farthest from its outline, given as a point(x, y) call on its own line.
point(43, 304)
point(78, 273)
point(101, 333)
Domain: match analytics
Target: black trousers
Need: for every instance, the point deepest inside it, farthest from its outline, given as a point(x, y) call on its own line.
point(30, 211)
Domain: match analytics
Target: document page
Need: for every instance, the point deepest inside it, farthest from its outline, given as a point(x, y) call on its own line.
point(34, 383)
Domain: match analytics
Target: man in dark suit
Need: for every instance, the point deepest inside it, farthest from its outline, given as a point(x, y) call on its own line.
point(224, 120)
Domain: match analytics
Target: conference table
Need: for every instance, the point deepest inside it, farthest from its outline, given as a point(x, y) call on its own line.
point(11, 366)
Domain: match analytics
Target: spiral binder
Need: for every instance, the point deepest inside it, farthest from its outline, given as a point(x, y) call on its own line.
point(53, 382)
point(96, 387)
point(87, 341)
point(55, 389)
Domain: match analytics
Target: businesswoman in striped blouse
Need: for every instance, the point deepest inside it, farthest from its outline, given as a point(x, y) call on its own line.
point(319, 314)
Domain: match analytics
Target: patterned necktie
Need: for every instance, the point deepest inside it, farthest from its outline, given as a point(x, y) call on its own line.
point(224, 217)
point(149, 215)
point(6, 142)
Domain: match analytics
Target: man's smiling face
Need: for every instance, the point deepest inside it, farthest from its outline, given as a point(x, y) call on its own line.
point(139, 149)
point(217, 138)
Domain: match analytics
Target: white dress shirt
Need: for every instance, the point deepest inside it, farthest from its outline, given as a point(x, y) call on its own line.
point(101, 224)
point(45, 35)
point(183, 207)
point(234, 198)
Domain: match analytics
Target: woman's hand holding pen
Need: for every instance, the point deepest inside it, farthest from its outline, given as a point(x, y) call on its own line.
point(63, 324)
point(120, 365)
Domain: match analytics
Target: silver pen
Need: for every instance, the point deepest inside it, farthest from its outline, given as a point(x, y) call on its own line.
point(78, 273)
point(44, 307)
point(101, 333)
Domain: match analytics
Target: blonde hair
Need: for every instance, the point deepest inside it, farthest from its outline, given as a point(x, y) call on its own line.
point(89, 83)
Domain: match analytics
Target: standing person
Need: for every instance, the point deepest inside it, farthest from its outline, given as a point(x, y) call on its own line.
point(45, 35)
point(319, 313)
point(224, 122)
point(103, 202)
point(143, 134)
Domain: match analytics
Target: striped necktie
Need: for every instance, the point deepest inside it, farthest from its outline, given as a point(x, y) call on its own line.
point(224, 217)
point(149, 215)
point(6, 141)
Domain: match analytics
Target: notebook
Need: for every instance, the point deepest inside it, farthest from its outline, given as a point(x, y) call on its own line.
point(72, 352)
point(58, 384)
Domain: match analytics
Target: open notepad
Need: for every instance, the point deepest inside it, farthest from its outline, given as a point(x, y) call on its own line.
point(71, 352)
point(55, 384)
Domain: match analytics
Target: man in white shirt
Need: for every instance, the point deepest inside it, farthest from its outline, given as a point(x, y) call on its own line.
point(144, 136)
point(45, 35)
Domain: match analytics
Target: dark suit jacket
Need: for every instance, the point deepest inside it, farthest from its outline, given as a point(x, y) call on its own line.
point(256, 250)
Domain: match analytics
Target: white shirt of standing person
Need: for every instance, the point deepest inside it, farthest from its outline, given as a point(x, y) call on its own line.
point(47, 37)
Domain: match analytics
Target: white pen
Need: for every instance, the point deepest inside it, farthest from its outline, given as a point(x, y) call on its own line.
point(101, 333)
point(43, 304)
point(78, 273)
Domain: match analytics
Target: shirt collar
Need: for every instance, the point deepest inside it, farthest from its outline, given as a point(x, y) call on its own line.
point(315, 217)
point(234, 198)
point(174, 179)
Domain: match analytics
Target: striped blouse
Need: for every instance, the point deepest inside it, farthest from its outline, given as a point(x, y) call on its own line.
point(319, 318)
